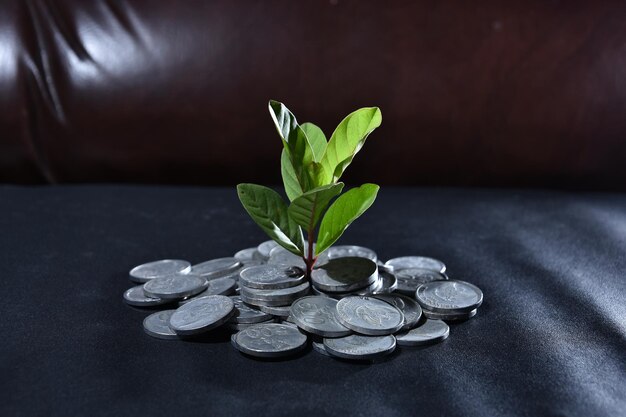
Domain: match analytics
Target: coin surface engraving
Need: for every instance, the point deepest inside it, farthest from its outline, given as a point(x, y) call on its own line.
point(268, 277)
point(449, 296)
point(410, 308)
point(270, 340)
point(202, 315)
point(369, 316)
point(174, 287)
point(318, 315)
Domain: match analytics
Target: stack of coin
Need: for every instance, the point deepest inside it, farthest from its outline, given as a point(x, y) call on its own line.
point(272, 285)
point(359, 327)
point(449, 300)
point(345, 276)
point(354, 307)
point(245, 316)
point(413, 271)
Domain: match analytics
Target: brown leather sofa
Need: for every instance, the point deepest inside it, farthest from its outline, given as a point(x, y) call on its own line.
point(491, 93)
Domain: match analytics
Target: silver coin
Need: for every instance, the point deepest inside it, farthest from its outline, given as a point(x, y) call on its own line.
point(270, 340)
point(217, 286)
point(320, 348)
point(157, 325)
point(343, 251)
point(216, 268)
point(360, 347)
point(202, 315)
point(136, 297)
point(257, 303)
point(283, 294)
point(271, 277)
point(411, 278)
point(245, 255)
point(450, 316)
point(318, 315)
point(405, 262)
point(221, 286)
point(247, 315)
point(174, 287)
point(409, 307)
point(281, 256)
point(449, 296)
point(390, 283)
point(370, 316)
point(157, 269)
point(431, 331)
point(263, 250)
point(279, 311)
point(242, 326)
point(345, 274)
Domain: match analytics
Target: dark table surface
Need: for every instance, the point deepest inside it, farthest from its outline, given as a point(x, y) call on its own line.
point(550, 338)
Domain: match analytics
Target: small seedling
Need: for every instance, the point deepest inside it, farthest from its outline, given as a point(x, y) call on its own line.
point(311, 168)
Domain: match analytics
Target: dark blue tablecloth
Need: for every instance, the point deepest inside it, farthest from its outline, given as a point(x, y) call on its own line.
point(550, 338)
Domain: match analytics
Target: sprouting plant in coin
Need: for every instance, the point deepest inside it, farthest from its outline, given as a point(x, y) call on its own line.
point(311, 167)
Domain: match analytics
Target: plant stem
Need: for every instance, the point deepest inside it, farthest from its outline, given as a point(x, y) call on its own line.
point(309, 260)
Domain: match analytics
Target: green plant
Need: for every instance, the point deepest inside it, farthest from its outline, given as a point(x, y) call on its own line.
point(311, 168)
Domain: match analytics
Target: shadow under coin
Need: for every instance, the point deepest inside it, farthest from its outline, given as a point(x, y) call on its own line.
point(219, 335)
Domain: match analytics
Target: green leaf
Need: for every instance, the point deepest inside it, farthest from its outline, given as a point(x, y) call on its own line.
point(347, 140)
point(307, 209)
point(346, 209)
point(295, 142)
point(317, 175)
point(317, 139)
point(293, 189)
point(269, 211)
point(284, 120)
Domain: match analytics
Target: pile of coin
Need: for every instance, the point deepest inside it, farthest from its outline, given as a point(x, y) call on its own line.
point(354, 306)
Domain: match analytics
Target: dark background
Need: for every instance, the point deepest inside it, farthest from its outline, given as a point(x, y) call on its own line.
point(487, 93)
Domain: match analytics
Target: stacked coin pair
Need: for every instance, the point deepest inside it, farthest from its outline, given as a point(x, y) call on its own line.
point(449, 300)
point(354, 308)
point(272, 285)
